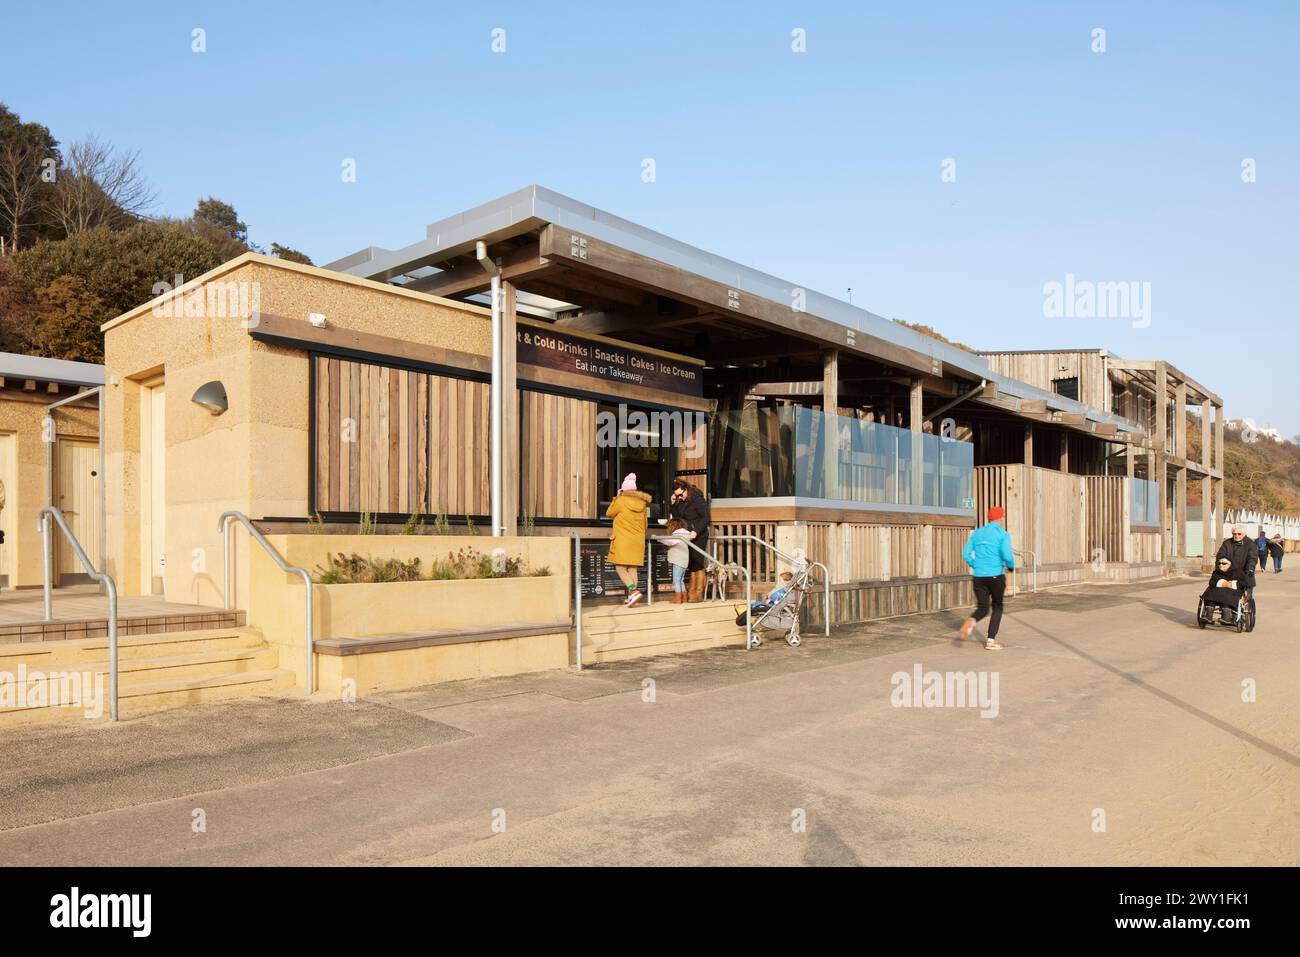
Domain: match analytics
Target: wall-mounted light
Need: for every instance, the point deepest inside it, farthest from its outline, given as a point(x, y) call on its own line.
point(212, 396)
point(316, 319)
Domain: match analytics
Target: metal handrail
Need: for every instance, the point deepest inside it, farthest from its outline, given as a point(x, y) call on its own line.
point(105, 579)
point(224, 527)
point(577, 601)
point(713, 560)
point(826, 580)
point(1016, 551)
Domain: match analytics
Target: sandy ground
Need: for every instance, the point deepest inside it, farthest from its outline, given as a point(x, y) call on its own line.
point(1121, 737)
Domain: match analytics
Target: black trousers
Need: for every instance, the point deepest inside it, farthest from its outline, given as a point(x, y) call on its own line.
point(989, 592)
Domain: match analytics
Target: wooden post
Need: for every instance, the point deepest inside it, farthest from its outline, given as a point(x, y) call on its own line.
point(1162, 451)
point(1219, 513)
point(1126, 514)
point(917, 413)
point(510, 486)
point(1065, 451)
point(1028, 457)
point(1207, 534)
point(1180, 475)
point(1218, 439)
point(830, 422)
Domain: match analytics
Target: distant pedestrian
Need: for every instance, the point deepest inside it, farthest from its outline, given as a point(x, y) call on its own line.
point(1261, 543)
point(1277, 550)
point(988, 552)
point(627, 540)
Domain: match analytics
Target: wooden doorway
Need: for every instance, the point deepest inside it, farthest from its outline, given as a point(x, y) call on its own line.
point(153, 485)
point(8, 554)
point(78, 500)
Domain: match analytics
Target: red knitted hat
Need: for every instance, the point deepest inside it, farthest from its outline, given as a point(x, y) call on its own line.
point(996, 513)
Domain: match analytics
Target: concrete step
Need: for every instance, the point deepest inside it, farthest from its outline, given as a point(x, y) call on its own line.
point(154, 671)
point(80, 652)
point(598, 653)
point(177, 692)
point(623, 633)
point(662, 606)
point(158, 695)
point(627, 620)
point(202, 664)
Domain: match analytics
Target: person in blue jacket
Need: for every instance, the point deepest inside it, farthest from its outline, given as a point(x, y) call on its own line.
point(987, 552)
point(1261, 543)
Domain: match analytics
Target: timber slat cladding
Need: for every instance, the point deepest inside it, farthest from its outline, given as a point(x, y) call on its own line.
point(558, 456)
point(459, 461)
point(372, 437)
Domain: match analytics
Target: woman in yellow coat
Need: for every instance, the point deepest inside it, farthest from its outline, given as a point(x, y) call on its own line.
point(627, 543)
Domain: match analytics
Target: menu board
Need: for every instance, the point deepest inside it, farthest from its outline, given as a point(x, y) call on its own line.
point(600, 579)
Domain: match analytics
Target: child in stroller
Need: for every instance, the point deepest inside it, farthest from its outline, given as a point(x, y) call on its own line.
point(779, 610)
point(1225, 599)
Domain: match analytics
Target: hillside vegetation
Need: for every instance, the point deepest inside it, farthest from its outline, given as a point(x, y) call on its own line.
point(81, 245)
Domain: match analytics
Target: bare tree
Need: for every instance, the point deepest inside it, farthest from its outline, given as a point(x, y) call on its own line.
point(98, 186)
point(20, 183)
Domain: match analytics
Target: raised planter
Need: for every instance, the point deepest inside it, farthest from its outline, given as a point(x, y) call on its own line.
point(277, 605)
point(356, 611)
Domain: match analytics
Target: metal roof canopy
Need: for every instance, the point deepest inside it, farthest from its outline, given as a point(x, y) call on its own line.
point(14, 365)
point(832, 322)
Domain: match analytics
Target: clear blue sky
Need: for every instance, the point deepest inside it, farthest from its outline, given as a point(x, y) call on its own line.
point(822, 167)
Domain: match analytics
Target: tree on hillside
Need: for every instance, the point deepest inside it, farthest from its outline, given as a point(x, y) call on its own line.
point(1261, 475)
point(55, 295)
point(24, 150)
point(292, 255)
point(223, 217)
point(67, 319)
point(98, 186)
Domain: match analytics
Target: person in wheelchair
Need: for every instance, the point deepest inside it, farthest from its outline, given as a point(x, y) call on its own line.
point(1242, 558)
point(1227, 595)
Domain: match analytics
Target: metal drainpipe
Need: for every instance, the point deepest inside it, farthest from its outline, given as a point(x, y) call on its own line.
point(497, 446)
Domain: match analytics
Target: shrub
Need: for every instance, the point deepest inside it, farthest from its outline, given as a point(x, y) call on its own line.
point(352, 569)
point(467, 563)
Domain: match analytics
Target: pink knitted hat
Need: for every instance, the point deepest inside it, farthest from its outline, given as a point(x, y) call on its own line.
point(629, 483)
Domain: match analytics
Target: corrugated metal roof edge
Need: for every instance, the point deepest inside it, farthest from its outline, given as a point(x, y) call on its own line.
point(19, 366)
point(538, 202)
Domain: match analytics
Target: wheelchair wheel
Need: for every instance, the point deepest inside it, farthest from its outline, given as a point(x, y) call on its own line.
point(1241, 618)
point(1200, 614)
point(1250, 616)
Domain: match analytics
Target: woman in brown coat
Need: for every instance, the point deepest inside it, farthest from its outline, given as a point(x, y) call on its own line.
point(627, 543)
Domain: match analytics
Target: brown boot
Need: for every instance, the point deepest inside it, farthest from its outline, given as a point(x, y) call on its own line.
point(679, 598)
point(696, 592)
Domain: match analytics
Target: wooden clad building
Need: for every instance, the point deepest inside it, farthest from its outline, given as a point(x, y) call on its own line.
point(363, 392)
